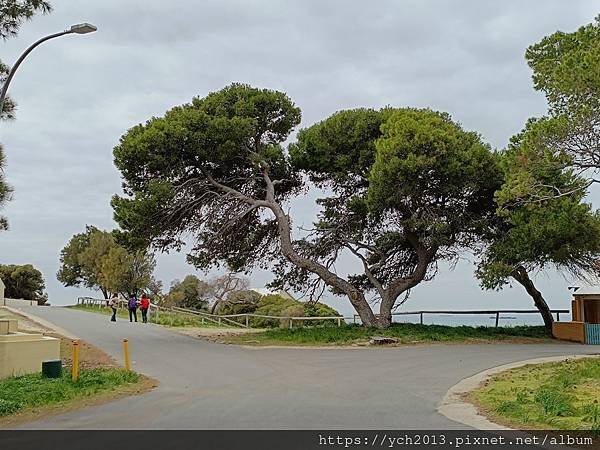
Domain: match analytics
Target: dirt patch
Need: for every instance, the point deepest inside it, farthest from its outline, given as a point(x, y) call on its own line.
point(215, 334)
point(90, 357)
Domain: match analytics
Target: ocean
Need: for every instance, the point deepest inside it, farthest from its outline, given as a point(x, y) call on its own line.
point(506, 320)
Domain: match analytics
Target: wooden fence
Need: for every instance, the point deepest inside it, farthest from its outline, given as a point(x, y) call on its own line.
point(493, 313)
point(229, 319)
point(244, 320)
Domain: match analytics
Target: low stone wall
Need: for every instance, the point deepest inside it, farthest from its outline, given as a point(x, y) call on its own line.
point(17, 302)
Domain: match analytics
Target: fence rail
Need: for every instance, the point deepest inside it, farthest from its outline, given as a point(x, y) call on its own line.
point(495, 312)
point(228, 319)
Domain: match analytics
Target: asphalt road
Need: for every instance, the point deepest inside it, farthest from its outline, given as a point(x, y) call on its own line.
point(211, 386)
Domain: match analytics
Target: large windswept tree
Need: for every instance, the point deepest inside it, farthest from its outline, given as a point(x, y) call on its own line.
point(410, 188)
point(407, 189)
point(552, 231)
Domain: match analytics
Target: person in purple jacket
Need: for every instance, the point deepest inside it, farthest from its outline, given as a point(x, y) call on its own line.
point(132, 305)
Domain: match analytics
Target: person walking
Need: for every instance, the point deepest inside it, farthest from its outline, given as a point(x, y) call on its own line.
point(144, 306)
point(114, 304)
point(132, 305)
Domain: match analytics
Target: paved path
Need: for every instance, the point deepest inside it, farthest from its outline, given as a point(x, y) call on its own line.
point(211, 386)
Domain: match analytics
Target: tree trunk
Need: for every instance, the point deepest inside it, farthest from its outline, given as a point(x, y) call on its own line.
point(522, 277)
point(385, 319)
point(356, 297)
point(214, 306)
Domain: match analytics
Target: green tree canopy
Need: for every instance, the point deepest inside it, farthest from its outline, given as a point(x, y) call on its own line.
point(565, 69)
point(191, 292)
point(23, 282)
point(95, 260)
point(81, 259)
point(216, 168)
point(129, 273)
point(13, 13)
point(410, 188)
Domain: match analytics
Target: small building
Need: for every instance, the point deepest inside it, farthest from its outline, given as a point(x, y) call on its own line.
point(585, 319)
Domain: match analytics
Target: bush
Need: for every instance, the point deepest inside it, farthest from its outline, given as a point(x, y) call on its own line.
point(292, 311)
point(277, 305)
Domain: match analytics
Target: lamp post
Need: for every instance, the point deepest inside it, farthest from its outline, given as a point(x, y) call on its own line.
point(81, 28)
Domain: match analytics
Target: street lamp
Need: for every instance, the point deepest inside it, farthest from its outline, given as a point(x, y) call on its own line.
point(80, 28)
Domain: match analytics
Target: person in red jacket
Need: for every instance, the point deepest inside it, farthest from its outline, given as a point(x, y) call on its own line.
point(144, 306)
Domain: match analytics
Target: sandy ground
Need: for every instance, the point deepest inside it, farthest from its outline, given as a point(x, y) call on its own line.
point(214, 333)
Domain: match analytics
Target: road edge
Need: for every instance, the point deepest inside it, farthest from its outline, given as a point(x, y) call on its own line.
point(454, 407)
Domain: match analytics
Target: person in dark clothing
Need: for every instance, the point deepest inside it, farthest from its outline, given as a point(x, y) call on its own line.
point(114, 303)
point(144, 306)
point(132, 305)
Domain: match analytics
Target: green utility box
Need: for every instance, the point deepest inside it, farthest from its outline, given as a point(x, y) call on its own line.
point(52, 368)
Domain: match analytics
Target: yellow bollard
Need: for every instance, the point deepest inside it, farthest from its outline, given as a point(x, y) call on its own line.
point(75, 357)
point(126, 354)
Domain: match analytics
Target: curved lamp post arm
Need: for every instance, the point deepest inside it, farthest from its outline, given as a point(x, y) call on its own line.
point(20, 60)
point(79, 29)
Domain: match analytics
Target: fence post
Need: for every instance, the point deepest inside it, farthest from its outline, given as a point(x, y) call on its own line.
point(421, 318)
point(219, 321)
point(291, 323)
point(354, 319)
point(557, 316)
point(339, 322)
point(497, 318)
point(247, 321)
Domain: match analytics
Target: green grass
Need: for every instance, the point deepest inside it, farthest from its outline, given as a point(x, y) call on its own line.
point(164, 318)
point(18, 394)
point(405, 333)
point(562, 395)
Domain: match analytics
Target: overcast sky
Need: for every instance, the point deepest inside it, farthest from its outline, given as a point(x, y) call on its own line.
point(78, 94)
